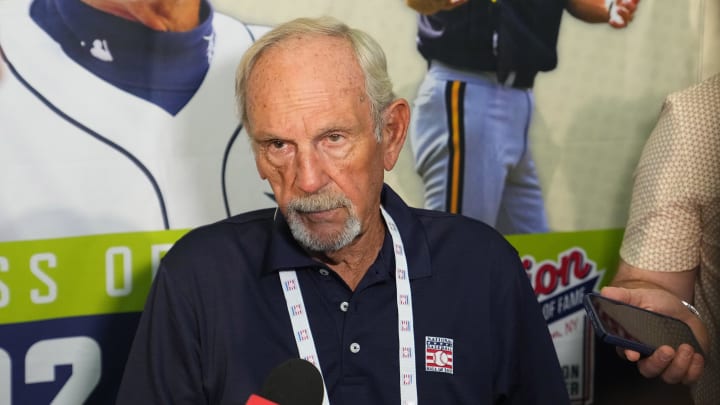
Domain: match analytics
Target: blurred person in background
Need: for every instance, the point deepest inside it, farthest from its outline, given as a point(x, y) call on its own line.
point(472, 113)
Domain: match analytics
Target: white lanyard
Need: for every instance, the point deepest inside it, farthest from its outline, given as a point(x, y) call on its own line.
point(406, 338)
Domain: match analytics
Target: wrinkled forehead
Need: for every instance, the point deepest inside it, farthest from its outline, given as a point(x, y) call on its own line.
point(319, 58)
point(303, 66)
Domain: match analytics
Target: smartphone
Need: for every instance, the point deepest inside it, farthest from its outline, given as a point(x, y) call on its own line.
point(635, 328)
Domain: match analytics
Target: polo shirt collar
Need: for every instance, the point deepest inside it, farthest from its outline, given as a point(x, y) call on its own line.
point(284, 253)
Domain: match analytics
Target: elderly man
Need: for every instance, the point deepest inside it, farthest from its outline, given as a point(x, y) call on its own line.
point(393, 304)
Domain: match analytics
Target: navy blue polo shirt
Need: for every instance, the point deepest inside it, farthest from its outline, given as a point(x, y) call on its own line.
point(216, 321)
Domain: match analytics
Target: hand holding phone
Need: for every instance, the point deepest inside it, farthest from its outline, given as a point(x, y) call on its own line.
point(635, 328)
point(672, 364)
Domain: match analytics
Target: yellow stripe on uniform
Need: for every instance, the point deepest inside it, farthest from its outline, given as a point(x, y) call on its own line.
point(456, 153)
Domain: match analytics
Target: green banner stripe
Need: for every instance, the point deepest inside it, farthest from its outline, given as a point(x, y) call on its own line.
point(601, 246)
point(88, 275)
point(103, 274)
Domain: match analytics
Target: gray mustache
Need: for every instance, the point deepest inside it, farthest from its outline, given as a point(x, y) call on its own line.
point(318, 202)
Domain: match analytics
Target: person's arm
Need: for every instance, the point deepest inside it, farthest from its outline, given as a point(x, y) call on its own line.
point(428, 7)
point(681, 283)
point(663, 292)
point(617, 13)
point(164, 365)
point(531, 371)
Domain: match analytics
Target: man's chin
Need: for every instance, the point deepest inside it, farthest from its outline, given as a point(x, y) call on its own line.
point(317, 250)
point(325, 236)
point(324, 231)
point(322, 245)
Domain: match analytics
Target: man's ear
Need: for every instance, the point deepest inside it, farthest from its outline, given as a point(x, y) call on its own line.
point(395, 125)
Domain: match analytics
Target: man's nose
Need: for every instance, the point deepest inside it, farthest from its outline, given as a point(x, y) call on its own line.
point(310, 175)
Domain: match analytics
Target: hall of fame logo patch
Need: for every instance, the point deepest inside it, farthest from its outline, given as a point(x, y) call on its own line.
point(438, 354)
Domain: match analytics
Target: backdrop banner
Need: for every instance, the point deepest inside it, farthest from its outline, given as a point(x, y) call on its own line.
point(111, 151)
point(69, 307)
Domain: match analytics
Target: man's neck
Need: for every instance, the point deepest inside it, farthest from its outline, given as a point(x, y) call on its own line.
point(353, 261)
point(159, 15)
point(127, 54)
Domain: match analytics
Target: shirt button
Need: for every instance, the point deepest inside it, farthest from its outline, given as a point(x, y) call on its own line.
point(344, 306)
point(354, 347)
point(324, 272)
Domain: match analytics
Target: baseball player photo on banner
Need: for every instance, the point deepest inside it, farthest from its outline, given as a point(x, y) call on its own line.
point(119, 134)
point(109, 126)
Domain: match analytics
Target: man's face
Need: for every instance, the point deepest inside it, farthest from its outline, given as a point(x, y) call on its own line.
point(313, 136)
point(159, 15)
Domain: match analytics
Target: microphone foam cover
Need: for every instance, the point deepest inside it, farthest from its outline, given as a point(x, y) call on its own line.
point(294, 382)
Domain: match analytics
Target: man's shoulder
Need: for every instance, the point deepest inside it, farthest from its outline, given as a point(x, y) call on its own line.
point(461, 230)
point(691, 117)
point(247, 228)
point(254, 220)
point(703, 94)
point(254, 216)
point(460, 222)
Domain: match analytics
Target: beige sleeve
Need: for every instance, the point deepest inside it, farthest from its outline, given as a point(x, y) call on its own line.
point(664, 226)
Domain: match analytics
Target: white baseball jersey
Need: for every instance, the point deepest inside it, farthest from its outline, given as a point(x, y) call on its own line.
point(81, 156)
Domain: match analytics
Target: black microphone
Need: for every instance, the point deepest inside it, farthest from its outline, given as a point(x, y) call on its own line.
point(294, 382)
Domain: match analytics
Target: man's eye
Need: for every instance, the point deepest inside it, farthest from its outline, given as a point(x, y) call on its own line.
point(334, 137)
point(277, 144)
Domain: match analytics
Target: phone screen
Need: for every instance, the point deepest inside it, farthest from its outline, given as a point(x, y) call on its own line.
point(636, 328)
